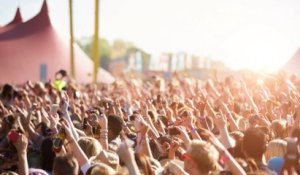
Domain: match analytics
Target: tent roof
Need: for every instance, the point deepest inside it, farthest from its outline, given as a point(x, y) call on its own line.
point(28, 46)
point(17, 20)
point(293, 65)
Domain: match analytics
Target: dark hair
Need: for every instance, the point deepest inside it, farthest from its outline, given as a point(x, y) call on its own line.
point(156, 148)
point(115, 125)
point(65, 165)
point(254, 143)
point(44, 128)
point(62, 72)
point(9, 121)
point(7, 92)
point(47, 155)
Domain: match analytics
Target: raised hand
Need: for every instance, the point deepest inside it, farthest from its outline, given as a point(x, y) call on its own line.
point(102, 119)
point(21, 144)
point(67, 130)
point(220, 121)
point(174, 146)
point(64, 103)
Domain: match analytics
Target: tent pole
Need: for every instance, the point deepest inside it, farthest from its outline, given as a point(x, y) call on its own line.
point(72, 61)
point(96, 50)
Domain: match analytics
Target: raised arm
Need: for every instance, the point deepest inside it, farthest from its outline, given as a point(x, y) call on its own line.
point(225, 156)
point(249, 97)
point(104, 131)
point(143, 140)
point(72, 143)
point(64, 109)
point(21, 146)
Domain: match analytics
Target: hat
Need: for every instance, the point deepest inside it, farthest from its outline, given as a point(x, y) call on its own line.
point(276, 164)
point(172, 167)
point(109, 157)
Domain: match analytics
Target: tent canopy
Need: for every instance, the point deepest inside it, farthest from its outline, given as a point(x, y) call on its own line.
point(34, 50)
point(293, 65)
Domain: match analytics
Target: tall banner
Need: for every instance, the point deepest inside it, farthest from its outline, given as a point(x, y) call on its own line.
point(154, 62)
point(181, 61)
point(43, 72)
point(138, 61)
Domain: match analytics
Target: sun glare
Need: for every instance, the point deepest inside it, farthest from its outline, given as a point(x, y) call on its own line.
point(256, 52)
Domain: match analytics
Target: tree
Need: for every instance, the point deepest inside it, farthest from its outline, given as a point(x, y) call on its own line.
point(86, 44)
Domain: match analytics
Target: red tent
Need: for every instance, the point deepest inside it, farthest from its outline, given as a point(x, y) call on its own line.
point(34, 50)
point(17, 20)
point(293, 65)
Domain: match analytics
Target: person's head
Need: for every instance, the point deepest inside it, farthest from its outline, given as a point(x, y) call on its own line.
point(90, 146)
point(9, 173)
point(42, 129)
point(115, 125)
point(279, 128)
point(254, 143)
point(8, 123)
point(7, 92)
point(65, 165)
point(39, 89)
point(201, 158)
point(61, 74)
point(47, 155)
point(156, 148)
point(100, 169)
point(34, 171)
point(107, 157)
point(276, 164)
point(172, 167)
point(276, 148)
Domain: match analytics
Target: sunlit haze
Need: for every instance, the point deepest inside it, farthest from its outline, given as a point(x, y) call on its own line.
point(254, 34)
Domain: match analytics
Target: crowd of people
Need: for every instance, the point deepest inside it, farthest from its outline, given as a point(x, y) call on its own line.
point(178, 126)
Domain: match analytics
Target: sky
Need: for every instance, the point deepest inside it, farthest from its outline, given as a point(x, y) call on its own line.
point(253, 34)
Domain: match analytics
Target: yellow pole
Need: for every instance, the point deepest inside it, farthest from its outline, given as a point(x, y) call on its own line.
point(72, 61)
point(96, 50)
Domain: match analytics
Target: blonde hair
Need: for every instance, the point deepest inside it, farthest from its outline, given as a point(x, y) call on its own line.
point(279, 128)
point(90, 146)
point(205, 155)
point(276, 148)
point(101, 169)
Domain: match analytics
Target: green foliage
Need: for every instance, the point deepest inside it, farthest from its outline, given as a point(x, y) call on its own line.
point(86, 44)
point(118, 49)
